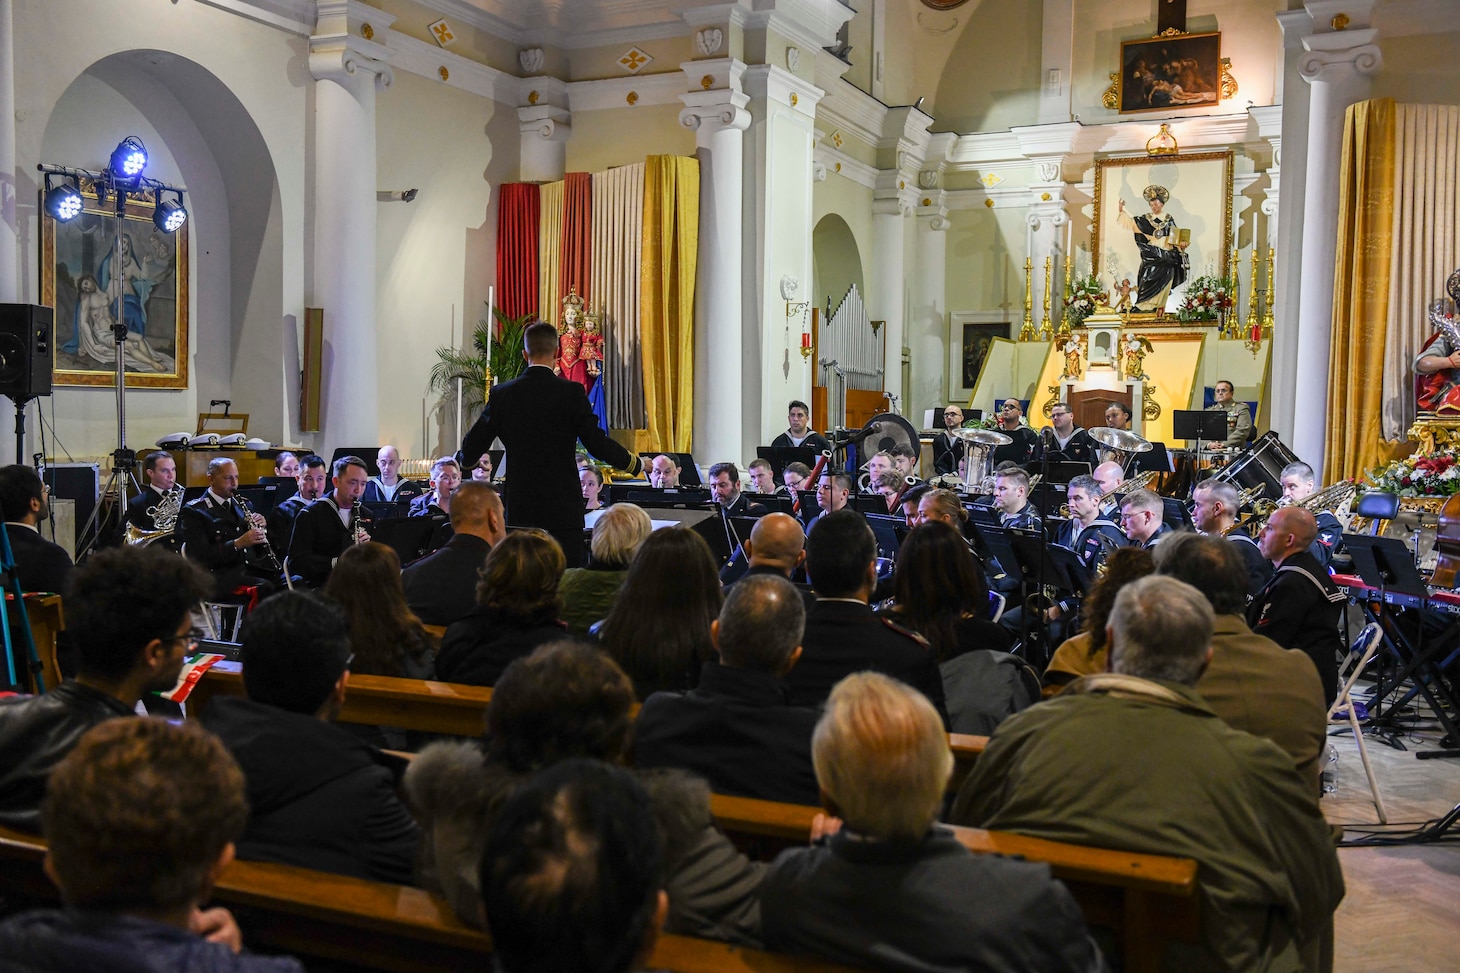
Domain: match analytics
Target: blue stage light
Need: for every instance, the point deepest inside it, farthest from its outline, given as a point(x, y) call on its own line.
point(128, 160)
point(63, 202)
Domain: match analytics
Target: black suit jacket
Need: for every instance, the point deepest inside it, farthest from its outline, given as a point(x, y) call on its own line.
point(540, 418)
point(208, 530)
point(738, 730)
point(39, 564)
point(137, 507)
point(842, 638)
point(442, 587)
point(281, 523)
point(947, 451)
point(319, 538)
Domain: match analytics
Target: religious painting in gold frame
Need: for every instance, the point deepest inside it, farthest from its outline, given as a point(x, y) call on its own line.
point(1198, 186)
point(1170, 72)
point(79, 281)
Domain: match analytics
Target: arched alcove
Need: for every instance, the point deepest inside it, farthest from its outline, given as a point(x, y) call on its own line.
point(198, 135)
point(837, 261)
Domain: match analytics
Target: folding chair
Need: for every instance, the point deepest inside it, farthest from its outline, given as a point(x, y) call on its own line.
point(1360, 654)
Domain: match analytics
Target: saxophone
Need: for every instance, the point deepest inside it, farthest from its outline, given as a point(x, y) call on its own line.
point(164, 518)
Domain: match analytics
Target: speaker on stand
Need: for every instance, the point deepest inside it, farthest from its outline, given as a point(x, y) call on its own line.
point(26, 362)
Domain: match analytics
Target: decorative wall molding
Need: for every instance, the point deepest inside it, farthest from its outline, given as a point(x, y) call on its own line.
point(652, 89)
point(421, 58)
point(840, 164)
point(782, 87)
point(1013, 197)
point(293, 16)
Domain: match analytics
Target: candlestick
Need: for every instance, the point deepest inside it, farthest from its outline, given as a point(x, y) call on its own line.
point(1229, 329)
point(491, 319)
point(1253, 316)
point(1026, 333)
point(1267, 312)
point(1045, 328)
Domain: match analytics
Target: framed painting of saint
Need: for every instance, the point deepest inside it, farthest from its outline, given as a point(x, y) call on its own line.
point(95, 279)
point(1161, 222)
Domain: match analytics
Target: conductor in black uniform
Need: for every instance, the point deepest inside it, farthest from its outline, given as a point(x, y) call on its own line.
point(540, 418)
point(1301, 607)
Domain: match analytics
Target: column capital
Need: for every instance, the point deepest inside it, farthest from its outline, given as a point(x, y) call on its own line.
point(343, 47)
point(715, 111)
point(1339, 55)
point(895, 193)
point(547, 122)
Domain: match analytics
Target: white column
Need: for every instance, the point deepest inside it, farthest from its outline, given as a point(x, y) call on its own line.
point(344, 219)
point(9, 273)
point(1337, 65)
point(1057, 60)
point(1047, 218)
point(885, 300)
point(928, 328)
point(719, 120)
point(545, 130)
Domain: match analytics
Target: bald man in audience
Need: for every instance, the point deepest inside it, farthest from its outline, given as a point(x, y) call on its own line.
point(776, 545)
point(737, 727)
point(1268, 879)
point(1253, 683)
point(883, 885)
point(441, 587)
point(1300, 607)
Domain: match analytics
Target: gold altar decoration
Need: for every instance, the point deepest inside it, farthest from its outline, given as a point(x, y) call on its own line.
point(1046, 329)
point(1228, 84)
point(1254, 320)
point(1150, 408)
point(1111, 98)
point(1434, 433)
point(1134, 349)
point(1163, 142)
point(1267, 310)
point(1026, 332)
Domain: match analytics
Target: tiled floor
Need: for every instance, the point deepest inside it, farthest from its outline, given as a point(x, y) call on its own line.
point(1401, 913)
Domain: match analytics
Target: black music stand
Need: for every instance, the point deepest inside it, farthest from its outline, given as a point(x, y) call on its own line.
point(1153, 460)
point(884, 528)
point(772, 502)
point(411, 538)
point(1199, 425)
point(782, 456)
point(689, 474)
point(1387, 567)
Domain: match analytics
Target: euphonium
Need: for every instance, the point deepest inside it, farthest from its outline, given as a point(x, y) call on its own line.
point(164, 518)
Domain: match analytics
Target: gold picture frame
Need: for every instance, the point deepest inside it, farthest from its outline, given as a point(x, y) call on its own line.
point(1170, 72)
point(1200, 200)
point(76, 273)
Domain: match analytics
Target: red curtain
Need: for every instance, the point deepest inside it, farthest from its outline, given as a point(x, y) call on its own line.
point(517, 219)
point(577, 253)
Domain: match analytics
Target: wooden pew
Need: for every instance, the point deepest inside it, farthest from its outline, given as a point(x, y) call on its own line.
point(1147, 901)
point(46, 622)
point(452, 708)
point(374, 925)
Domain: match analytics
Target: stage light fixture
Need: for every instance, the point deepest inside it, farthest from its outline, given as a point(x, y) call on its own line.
point(169, 215)
point(129, 158)
point(63, 202)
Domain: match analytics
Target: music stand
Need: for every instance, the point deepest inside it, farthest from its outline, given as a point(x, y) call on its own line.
point(1058, 566)
point(884, 527)
point(1153, 460)
point(772, 502)
point(782, 456)
point(411, 537)
point(1199, 425)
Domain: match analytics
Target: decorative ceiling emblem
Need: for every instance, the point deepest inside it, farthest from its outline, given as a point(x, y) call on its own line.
point(708, 41)
point(530, 59)
point(367, 32)
point(634, 60)
point(990, 179)
point(707, 82)
point(793, 57)
point(633, 98)
point(445, 74)
point(837, 139)
point(532, 97)
point(443, 34)
point(794, 99)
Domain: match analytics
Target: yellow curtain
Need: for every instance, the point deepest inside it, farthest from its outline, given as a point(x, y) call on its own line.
point(667, 300)
point(549, 252)
point(1361, 290)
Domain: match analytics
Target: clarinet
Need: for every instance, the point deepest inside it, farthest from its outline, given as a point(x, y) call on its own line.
point(357, 529)
point(256, 521)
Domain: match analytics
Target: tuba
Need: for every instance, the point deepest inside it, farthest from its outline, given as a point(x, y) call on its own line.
point(164, 518)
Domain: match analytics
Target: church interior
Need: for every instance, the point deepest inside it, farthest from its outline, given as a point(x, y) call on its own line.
point(877, 207)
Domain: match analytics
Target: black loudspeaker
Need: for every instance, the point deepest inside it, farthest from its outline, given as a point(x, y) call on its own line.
point(26, 332)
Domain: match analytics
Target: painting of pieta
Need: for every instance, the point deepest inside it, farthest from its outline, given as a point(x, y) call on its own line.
point(1161, 222)
point(1170, 72)
point(106, 286)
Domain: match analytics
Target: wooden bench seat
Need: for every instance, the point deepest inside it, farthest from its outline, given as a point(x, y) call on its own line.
point(375, 925)
point(451, 708)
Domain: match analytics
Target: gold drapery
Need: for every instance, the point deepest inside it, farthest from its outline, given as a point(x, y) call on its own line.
point(550, 252)
point(1361, 290)
point(667, 300)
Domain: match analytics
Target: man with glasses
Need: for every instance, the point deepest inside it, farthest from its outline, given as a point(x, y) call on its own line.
point(1239, 420)
point(1142, 517)
point(1025, 448)
point(319, 796)
point(948, 448)
point(799, 433)
point(1066, 438)
point(130, 616)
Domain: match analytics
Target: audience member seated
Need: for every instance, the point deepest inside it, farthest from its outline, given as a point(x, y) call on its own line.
point(737, 728)
point(573, 873)
point(442, 586)
point(1082, 654)
point(140, 820)
point(884, 886)
point(445, 478)
point(1300, 607)
point(322, 530)
point(1142, 516)
point(842, 635)
point(763, 477)
point(590, 478)
point(798, 433)
point(940, 593)
point(518, 608)
point(389, 486)
point(386, 636)
point(311, 480)
point(659, 627)
point(1214, 511)
point(319, 796)
point(24, 501)
point(664, 473)
point(130, 616)
point(776, 546)
point(588, 592)
point(1253, 683)
point(1193, 787)
point(570, 700)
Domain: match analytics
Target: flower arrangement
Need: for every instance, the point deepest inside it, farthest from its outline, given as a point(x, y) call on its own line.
point(1206, 297)
point(1422, 475)
point(1084, 297)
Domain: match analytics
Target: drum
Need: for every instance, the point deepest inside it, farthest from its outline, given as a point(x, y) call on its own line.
point(1261, 465)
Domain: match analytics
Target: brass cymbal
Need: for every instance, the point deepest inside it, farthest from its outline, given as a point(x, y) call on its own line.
point(1126, 442)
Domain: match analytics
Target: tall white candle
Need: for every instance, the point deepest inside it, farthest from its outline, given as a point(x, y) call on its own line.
point(491, 317)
